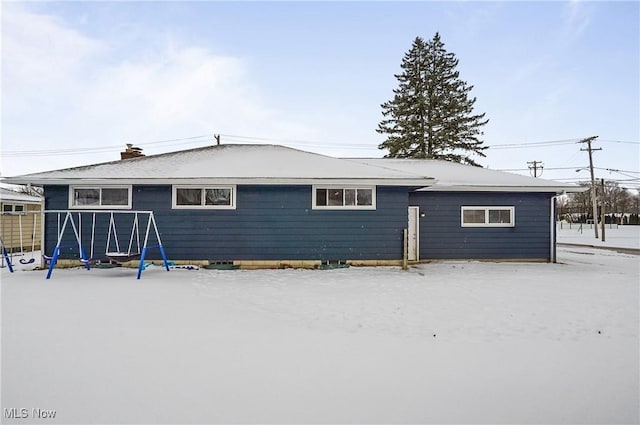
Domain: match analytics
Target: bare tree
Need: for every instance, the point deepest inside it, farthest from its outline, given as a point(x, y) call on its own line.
point(30, 190)
point(617, 200)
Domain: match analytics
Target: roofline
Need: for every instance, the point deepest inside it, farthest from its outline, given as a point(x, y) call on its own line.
point(472, 188)
point(419, 182)
point(116, 161)
point(179, 152)
point(21, 201)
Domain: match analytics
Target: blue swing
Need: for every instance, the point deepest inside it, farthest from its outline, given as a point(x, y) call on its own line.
point(118, 256)
point(33, 241)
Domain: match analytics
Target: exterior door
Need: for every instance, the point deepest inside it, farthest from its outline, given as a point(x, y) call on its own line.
point(413, 239)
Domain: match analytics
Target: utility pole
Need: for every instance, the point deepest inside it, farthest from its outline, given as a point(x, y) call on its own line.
point(217, 137)
point(602, 212)
point(589, 149)
point(534, 166)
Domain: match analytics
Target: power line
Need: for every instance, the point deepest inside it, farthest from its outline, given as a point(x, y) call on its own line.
point(621, 141)
point(575, 167)
point(550, 143)
point(299, 142)
point(101, 149)
point(546, 168)
point(253, 139)
point(533, 144)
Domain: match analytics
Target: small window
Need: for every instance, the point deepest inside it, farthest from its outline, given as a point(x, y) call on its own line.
point(218, 196)
point(215, 197)
point(344, 198)
point(488, 217)
point(335, 197)
point(100, 197)
point(115, 196)
point(188, 197)
point(8, 208)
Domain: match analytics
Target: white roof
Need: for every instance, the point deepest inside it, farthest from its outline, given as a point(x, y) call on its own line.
point(272, 164)
point(8, 195)
point(229, 164)
point(452, 176)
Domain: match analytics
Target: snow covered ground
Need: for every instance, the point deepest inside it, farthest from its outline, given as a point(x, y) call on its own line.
point(454, 342)
point(615, 236)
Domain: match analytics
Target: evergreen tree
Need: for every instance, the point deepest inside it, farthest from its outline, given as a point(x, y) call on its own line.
point(431, 113)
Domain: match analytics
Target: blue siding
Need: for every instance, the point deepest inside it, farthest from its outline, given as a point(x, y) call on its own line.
point(443, 237)
point(278, 223)
point(269, 223)
point(57, 198)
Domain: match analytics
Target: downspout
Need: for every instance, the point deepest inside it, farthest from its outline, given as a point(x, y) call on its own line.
point(552, 229)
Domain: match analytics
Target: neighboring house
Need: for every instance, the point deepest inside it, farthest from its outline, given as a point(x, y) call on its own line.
point(20, 219)
point(271, 205)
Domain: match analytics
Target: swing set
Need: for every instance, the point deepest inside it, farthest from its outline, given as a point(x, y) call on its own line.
point(7, 256)
point(113, 251)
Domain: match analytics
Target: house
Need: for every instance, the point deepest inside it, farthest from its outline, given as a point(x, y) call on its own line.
point(267, 205)
point(19, 220)
point(482, 214)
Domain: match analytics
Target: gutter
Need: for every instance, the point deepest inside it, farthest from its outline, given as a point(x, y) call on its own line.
point(558, 190)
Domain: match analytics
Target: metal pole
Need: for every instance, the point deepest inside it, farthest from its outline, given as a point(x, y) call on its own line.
point(588, 141)
point(602, 212)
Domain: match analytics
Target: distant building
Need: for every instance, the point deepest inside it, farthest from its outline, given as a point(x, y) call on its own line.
point(19, 213)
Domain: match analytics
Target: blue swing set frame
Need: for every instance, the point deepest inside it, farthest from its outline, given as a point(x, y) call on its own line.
point(116, 256)
point(5, 254)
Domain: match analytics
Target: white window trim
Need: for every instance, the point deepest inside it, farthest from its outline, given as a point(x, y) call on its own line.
point(343, 207)
point(100, 207)
point(511, 209)
point(13, 207)
point(174, 198)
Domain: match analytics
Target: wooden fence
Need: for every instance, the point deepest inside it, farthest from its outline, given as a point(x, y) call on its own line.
point(25, 227)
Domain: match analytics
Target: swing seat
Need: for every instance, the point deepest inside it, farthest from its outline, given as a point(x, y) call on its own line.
point(29, 261)
point(122, 257)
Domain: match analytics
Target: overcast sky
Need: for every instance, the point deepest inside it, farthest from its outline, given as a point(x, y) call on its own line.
point(81, 79)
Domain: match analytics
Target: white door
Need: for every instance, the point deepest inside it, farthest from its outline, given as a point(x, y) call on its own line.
point(413, 238)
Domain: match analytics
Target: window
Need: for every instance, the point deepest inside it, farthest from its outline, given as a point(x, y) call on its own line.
point(108, 197)
point(488, 217)
point(12, 208)
point(344, 198)
point(220, 197)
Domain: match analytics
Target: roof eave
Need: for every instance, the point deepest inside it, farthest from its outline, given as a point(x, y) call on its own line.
point(20, 201)
point(489, 188)
point(376, 181)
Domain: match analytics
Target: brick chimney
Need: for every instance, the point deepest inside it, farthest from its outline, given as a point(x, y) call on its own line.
point(131, 152)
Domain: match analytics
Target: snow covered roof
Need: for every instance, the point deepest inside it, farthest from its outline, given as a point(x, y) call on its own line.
point(273, 164)
point(8, 195)
point(451, 176)
point(223, 164)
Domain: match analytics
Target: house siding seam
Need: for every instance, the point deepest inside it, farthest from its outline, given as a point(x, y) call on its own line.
point(269, 223)
point(443, 237)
